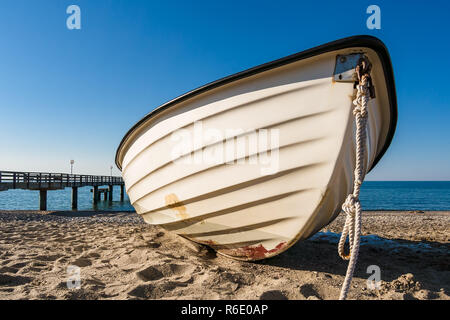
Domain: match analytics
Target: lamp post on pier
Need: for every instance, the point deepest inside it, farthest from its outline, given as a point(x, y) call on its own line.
point(71, 166)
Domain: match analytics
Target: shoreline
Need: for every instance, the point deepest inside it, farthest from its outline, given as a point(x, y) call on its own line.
point(409, 211)
point(121, 257)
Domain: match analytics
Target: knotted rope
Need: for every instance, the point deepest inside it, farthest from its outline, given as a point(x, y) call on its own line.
point(352, 206)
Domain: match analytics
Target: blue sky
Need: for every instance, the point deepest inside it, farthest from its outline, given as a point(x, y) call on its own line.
point(73, 94)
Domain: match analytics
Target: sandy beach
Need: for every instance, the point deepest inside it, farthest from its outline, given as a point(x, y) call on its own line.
point(121, 257)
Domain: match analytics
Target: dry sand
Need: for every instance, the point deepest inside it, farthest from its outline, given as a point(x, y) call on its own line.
point(121, 257)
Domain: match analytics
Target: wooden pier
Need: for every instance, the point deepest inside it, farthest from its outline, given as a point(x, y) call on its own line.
point(55, 181)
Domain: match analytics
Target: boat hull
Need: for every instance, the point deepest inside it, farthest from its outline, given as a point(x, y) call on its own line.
point(254, 203)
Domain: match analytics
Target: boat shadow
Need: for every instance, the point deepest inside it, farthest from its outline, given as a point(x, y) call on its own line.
point(428, 261)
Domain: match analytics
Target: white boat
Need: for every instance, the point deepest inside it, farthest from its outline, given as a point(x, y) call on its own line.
point(258, 201)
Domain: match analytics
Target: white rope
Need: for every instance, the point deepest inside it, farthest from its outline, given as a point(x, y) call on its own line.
point(352, 206)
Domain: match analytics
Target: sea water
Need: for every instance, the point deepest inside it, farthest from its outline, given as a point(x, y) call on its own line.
point(375, 195)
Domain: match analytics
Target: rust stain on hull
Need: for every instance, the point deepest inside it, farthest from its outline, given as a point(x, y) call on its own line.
point(253, 252)
point(174, 203)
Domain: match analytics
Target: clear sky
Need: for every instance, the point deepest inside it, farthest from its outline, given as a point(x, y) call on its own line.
point(73, 94)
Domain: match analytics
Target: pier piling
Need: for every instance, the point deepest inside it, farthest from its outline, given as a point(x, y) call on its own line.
point(74, 198)
point(110, 192)
point(43, 199)
point(95, 196)
point(122, 192)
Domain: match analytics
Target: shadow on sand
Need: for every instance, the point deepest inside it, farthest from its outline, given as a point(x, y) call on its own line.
point(429, 262)
point(77, 214)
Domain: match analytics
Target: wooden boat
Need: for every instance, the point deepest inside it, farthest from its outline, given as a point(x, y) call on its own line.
point(242, 207)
